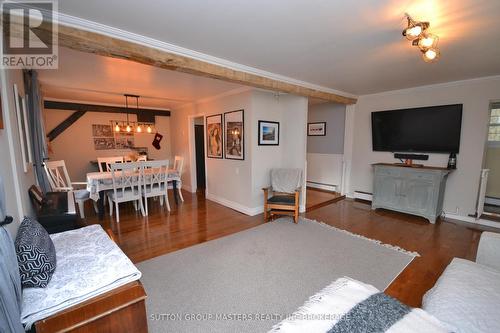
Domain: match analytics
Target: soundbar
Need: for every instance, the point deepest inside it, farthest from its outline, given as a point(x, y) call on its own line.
point(419, 157)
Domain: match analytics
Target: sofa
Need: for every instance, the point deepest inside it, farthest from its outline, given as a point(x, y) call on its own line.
point(466, 296)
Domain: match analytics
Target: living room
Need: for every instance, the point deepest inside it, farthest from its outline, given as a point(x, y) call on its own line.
point(405, 226)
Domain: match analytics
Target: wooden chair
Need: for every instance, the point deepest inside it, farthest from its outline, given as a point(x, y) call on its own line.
point(60, 182)
point(105, 162)
point(283, 196)
point(178, 165)
point(126, 186)
point(154, 180)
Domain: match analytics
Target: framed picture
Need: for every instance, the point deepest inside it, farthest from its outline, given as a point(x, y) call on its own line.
point(23, 128)
point(125, 142)
point(214, 136)
point(269, 133)
point(104, 143)
point(99, 130)
point(316, 129)
point(234, 128)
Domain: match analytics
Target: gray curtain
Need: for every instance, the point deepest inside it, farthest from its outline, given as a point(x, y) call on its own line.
point(10, 282)
point(37, 129)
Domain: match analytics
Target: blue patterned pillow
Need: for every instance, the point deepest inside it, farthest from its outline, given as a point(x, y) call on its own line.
point(36, 254)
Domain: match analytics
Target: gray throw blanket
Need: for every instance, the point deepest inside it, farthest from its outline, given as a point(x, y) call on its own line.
point(375, 314)
point(286, 180)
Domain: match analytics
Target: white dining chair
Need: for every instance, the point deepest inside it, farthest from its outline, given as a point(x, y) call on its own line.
point(60, 182)
point(178, 165)
point(142, 158)
point(105, 162)
point(154, 182)
point(126, 186)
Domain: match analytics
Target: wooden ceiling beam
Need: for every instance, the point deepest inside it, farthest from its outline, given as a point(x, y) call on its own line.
point(56, 105)
point(104, 45)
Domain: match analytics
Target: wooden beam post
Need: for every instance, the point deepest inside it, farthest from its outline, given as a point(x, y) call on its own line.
point(104, 45)
point(55, 105)
point(65, 124)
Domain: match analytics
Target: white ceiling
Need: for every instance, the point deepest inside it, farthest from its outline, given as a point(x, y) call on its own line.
point(91, 78)
point(352, 46)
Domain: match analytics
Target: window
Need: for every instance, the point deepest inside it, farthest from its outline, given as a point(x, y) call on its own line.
point(494, 127)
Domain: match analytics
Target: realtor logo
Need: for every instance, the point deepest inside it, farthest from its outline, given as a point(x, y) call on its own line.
point(29, 34)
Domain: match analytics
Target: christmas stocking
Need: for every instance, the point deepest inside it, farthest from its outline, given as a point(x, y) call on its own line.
point(156, 141)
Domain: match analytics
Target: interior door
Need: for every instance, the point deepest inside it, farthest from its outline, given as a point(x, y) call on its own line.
point(200, 156)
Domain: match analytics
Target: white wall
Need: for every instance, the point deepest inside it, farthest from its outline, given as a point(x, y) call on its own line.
point(76, 146)
point(225, 178)
point(16, 181)
point(291, 112)
point(462, 186)
point(238, 184)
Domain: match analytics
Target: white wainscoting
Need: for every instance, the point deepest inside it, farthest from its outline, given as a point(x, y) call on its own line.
point(324, 171)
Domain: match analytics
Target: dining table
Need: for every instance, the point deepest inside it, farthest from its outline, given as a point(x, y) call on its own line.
point(100, 182)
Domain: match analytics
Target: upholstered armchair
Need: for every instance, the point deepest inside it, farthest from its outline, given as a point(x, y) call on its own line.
point(283, 196)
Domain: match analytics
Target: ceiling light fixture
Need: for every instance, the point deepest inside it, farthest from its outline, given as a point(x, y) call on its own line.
point(131, 126)
point(417, 33)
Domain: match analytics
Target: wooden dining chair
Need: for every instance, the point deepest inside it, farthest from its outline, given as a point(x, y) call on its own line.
point(154, 182)
point(105, 162)
point(178, 167)
point(127, 184)
point(60, 182)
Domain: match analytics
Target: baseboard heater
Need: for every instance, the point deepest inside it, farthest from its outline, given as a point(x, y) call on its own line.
point(363, 195)
point(492, 201)
point(323, 186)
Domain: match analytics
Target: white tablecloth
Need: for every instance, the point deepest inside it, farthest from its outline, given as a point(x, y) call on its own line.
point(102, 181)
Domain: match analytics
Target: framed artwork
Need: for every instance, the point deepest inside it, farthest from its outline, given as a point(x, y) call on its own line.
point(269, 133)
point(99, 130)
point(125, 142)
point(214, 136)
point(316, 129)
point(23, 128)
point(104, 143)
point(234, 128)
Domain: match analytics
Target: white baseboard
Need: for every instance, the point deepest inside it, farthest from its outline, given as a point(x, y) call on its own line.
point(241, 208)
point(326, 187)
point(234, 205)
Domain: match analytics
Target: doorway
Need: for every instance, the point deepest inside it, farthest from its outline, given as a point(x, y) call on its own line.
point(490, 178)
point(199, 135)
point(325, 153)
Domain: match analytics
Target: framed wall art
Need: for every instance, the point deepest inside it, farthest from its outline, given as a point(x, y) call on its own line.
point(316, 129)
point(269, 133)
point(214, 136)
point(234, 129)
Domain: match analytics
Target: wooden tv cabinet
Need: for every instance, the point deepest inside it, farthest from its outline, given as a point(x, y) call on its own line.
point(412, 190)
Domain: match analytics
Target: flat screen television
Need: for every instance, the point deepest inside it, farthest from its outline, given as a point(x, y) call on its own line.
point(434, 129)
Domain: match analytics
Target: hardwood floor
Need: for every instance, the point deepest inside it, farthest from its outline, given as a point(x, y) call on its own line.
point(318, 198)
point(194, 221)
point(198, 220)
